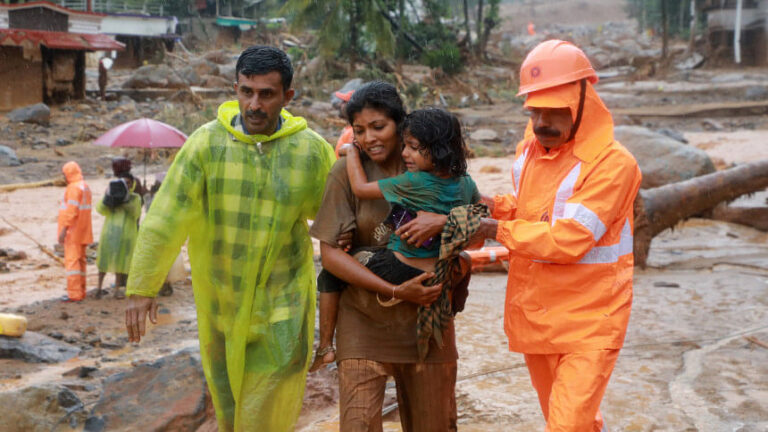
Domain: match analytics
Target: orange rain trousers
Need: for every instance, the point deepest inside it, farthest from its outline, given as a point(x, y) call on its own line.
point(570, 388)
point(74, 265)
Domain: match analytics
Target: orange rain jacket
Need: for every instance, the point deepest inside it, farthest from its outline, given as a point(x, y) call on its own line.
point(347, 136)
point(75, 208)
point(568, 225)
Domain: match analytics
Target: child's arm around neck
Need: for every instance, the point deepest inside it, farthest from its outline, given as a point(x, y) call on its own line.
point(361, 187)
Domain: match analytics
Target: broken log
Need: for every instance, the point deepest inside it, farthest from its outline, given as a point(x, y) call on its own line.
point(663, 207)
point(44, 249)
point(755, 217)
point(58, 181)
point(756, 341)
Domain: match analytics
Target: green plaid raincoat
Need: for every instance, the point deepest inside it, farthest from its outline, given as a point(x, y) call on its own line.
point(243, 201)
point(118, 235)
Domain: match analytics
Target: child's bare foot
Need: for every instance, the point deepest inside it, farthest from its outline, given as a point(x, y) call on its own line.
point(323, 356)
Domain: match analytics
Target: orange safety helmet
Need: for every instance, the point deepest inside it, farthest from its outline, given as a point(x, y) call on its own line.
point(553, 63)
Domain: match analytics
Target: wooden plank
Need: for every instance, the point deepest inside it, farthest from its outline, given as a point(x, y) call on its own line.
point(717, 109)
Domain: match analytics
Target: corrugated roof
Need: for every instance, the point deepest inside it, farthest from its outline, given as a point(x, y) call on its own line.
point(59, 40)
point(49, 5)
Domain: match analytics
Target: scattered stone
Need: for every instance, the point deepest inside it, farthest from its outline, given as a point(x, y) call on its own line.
point(8, 157)
point(228, 71)
point(484, 135)
point(36, 348)
point(80, 372)
point(693, 61)
point(352, 84)
point(662, 159)
point(40, 408)
point(64, 315)
point(61, 142)
point(154, 76)
point(172, 392)
point(756, 93)
point(712, 125)
point(675, 135)
point(219, 57)
point(38, 113)
point(12, 255)
point(662, 284)
point(213, 81)
point(56, 335)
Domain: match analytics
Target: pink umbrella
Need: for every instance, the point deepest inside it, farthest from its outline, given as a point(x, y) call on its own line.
point(143, 133)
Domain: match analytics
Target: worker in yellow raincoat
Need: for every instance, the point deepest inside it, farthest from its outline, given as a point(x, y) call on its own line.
point(241, 189)
point(568, 226)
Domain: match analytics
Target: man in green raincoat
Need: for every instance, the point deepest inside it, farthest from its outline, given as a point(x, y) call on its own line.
point(241, 189)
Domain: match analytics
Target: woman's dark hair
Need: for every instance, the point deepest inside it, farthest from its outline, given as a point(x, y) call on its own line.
point(378, 95)
point(261, 60)
point(439, 135)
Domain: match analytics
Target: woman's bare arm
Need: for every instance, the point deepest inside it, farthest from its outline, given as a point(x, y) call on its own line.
point(353, 272)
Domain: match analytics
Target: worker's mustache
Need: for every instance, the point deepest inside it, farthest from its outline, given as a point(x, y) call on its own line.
point(546, 131)
point(259, 113)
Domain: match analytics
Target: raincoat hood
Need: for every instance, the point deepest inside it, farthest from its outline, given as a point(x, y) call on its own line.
point(596, 129)
point(72, 172)
point(230, 109)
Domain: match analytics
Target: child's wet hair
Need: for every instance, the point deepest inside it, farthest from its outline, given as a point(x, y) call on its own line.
point(439, 136)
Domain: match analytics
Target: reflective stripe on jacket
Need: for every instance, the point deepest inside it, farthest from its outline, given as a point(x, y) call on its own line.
point(568, 225)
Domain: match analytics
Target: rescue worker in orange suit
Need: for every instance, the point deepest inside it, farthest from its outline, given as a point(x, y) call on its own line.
point(75, 230)
point(347, 134)
point(568, 226)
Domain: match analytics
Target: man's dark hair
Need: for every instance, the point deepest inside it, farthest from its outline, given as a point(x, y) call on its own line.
point(380, 96)
point(261, 60)
point(439, 135)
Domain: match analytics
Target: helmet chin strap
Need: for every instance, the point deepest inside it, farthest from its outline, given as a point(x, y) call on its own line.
point(582, 95)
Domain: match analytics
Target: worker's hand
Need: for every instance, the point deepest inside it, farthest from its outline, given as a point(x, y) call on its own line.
point(413, 291)
point(488, 200)
point(421, 229)
point(344, 240)
point(487, 230)
point(63, 235)
point(136, 316)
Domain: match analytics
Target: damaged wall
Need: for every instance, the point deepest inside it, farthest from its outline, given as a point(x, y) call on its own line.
point(21, 77)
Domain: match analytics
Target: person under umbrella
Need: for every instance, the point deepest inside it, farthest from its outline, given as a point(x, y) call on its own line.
point(121, 208)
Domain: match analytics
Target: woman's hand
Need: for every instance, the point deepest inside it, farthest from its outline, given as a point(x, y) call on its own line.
point(413, 291)
point(425, 226)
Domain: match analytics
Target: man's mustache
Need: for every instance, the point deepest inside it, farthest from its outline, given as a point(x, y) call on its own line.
point(259, 113)
point(546, 131)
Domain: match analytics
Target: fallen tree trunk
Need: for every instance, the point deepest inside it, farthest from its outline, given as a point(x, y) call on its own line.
point(44, 249)
point(58, 181)
point(663, 207)
point(755, 217)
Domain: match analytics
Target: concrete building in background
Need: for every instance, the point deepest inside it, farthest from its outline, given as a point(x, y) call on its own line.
point(42, 52)
point(723, 19)
point(145, 28)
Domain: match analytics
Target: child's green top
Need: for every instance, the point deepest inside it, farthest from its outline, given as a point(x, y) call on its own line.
point(424, 191)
